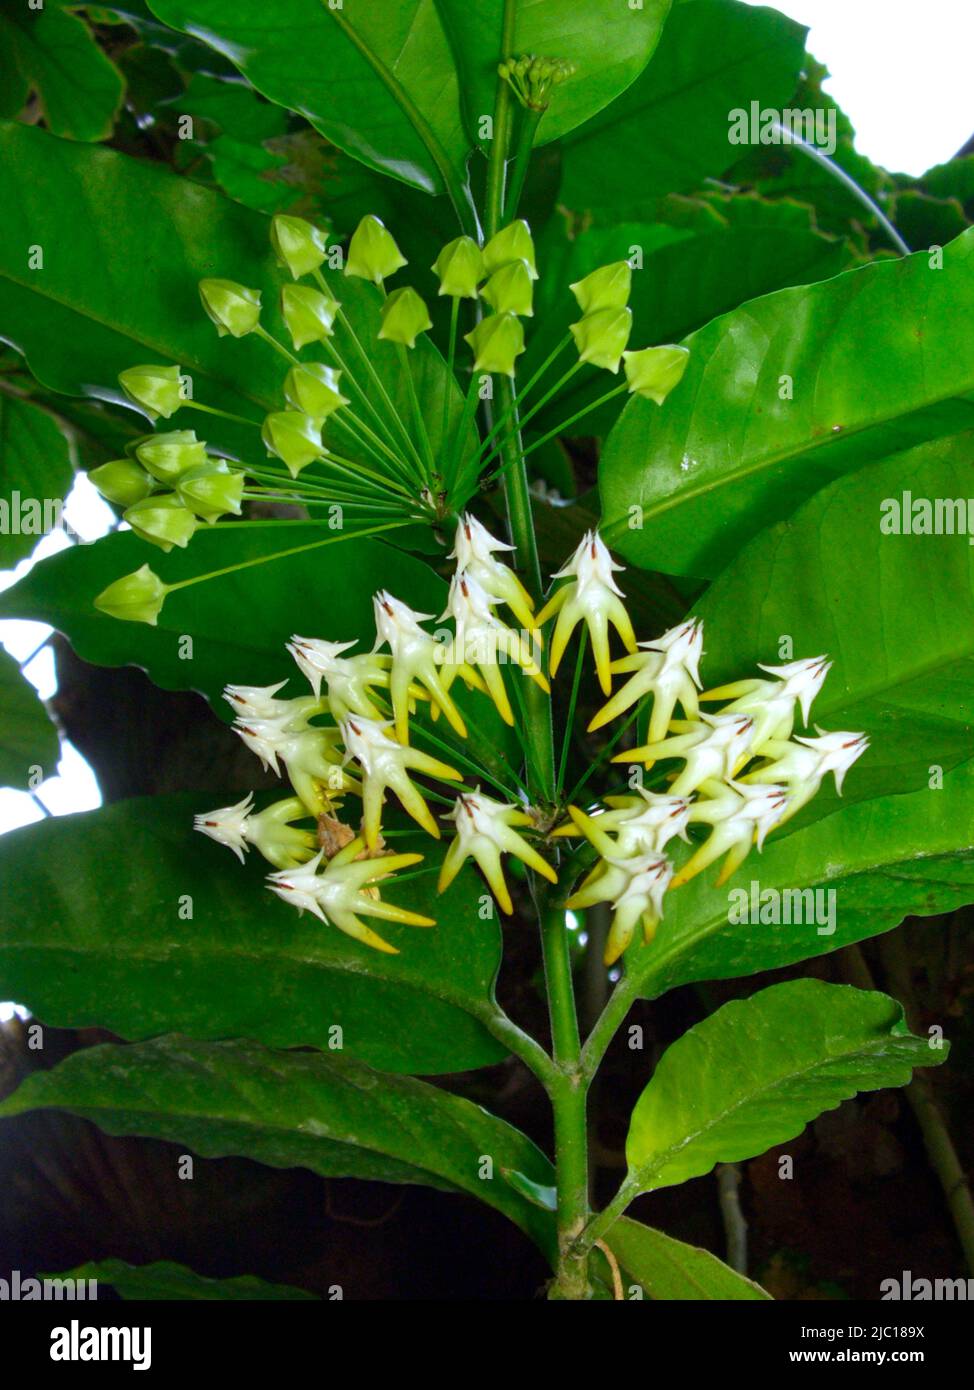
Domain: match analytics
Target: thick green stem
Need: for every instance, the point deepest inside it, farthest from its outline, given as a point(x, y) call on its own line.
point(525, 145)
point(568, 1090)
point(538, 733)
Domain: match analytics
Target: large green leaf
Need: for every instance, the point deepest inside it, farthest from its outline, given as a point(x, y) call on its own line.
point(670, 129)
point(609, 44)
point(895, 612)
point(47, 51)
point(124, 246)
point(111, 945)
point(784, 395)
point(164, 1280)
point(377, 80)
point(670, 1270)
point(35, 476)
point(863, 870)
point(753, 1074)
point(714, 254)
point(28, 739)
point(290, 1109)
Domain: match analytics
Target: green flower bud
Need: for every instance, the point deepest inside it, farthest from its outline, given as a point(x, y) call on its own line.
point(232, 307)
point(156, 389)
point(294, 438)
point(460, 267)
point(404, 315)
point(372, 252)
point(211, 491)
point(135, 598)
point(166, 456)
point(601, 337)
point(121, 481)
point(298, 246)
point(162, 520)
point(312, 389)
point(496, 341)
point(511, 243)
point(308, 313)
point(654, 371)
point(606, 288)
point(510, 290)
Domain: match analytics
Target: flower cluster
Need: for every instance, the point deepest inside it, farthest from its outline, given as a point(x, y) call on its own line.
point(743, 773)
point(352, 735)
point(738, 772)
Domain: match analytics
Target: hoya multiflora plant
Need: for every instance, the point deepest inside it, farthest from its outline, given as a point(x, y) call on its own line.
point(473, 748)
point(389, 729)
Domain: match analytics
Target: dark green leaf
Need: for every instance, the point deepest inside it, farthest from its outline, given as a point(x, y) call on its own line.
point(895, 612)
point(669, 1270)
point(113, 947)
point(670, 129)
point(377, 80)
point(290, 1109)
point(51, 52)
point(28, 739)
point(753, 1074)
point(166, 1281)
point(35, 477)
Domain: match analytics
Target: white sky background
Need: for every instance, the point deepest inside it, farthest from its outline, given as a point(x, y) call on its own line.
point(901, 71)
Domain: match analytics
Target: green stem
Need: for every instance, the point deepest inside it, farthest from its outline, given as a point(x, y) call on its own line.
point(380, 387)
point(223, 414)
point(282, 554)
point(269, 338)
point(501, 421)
point(606, 1219)
point(579, 415)
point(450, 361)
point(538, 733)
point(567, 1089)
point(570, 720)
point(421, 431)
point(499, 449)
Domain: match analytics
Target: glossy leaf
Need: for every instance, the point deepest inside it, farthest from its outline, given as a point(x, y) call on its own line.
point(753, 1074)
point(35, 476)
point(377, 80)
point(166, 1281)
point(670, 129)
point(846, 878)
point(28, 739)
point(52, 53)
point(608, 43)
point(668, 1270)
point(895, 612)
point(290, 1109)
point(784, 395)
point(114, 948)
